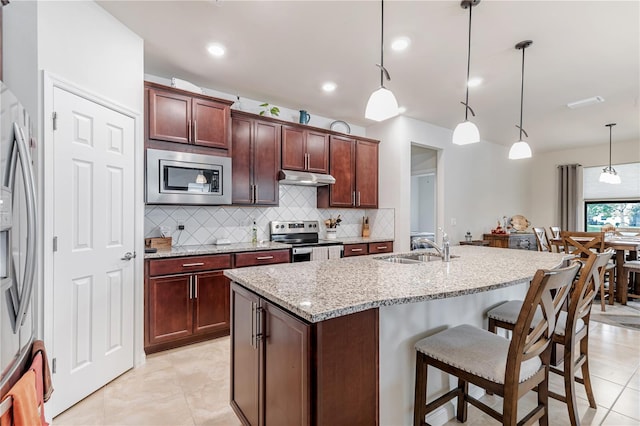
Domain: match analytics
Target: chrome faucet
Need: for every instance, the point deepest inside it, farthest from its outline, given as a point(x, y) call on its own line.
point(443, 251)
point(417, 242)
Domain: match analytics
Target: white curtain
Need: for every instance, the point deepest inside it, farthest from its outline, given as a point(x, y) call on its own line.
point(570, 197)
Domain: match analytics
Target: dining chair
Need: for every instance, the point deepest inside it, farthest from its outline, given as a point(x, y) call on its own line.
point(541, 239)
point(572, 330)
point(582, 244)
point(555, 234)
point(508, 368)
point(631, 267)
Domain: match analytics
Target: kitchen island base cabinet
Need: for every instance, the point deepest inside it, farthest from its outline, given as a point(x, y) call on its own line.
point(285, 371)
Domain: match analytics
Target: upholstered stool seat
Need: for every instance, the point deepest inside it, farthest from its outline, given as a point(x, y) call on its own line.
point(475, 351)
point(508, 313)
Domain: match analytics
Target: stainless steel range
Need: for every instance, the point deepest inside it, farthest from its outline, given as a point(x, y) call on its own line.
point(303, 235)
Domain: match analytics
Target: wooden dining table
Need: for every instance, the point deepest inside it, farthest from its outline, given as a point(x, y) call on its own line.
point(621, 245)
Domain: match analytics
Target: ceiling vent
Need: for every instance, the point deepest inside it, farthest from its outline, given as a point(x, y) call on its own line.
point(585, 102)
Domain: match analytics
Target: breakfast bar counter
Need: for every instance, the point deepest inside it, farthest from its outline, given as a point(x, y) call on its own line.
point(334, 339)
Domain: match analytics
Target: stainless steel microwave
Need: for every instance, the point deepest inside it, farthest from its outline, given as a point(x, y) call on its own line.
point(185, 178)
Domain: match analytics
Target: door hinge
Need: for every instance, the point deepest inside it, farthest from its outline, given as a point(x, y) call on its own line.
point(54, 117)
point(55, 243)
point(53, 366)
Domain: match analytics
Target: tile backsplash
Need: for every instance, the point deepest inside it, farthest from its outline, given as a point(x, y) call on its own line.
point(202, 224)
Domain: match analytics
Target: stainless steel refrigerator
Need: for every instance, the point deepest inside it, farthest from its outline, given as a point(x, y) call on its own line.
point(18, 242)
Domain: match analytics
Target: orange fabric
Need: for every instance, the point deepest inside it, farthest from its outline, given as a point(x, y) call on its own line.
point(25, 402)
point(36, 367)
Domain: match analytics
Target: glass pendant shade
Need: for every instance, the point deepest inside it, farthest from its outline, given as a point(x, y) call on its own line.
point(609, 175)
point(466, 133)
point(519, 150)
point(201, 178)
point(381, 105)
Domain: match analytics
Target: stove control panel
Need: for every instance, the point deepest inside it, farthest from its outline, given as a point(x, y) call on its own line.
point(296, 227)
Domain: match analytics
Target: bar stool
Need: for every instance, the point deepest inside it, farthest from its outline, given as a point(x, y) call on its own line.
point(507, 368)
point(572, 330)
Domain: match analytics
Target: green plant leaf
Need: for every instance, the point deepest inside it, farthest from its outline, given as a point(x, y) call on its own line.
point(261, 112)
point(264, 105)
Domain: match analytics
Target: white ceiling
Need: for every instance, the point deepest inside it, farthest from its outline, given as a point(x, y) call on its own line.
point(282, 52)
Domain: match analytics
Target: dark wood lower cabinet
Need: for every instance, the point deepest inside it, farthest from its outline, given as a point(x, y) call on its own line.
point(286, 371)
point(186, 308)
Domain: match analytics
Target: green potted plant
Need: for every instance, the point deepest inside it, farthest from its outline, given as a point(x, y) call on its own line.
point(274, 111)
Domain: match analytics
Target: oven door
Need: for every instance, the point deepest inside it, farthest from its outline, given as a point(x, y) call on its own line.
point(301, 254)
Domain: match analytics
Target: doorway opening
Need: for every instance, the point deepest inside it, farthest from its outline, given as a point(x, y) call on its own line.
point(423, 193)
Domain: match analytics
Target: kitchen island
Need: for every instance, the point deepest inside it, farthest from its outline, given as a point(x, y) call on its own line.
point(331, 342)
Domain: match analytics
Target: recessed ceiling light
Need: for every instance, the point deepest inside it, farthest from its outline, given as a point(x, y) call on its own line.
point(401, 43)
point(474, 82)
point(216, 50)
point(402, 110)
point(585, 102)
point(329, 86)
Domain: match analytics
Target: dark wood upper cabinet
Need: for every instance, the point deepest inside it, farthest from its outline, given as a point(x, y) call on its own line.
point(354, 165)
point(366, 174)
point(210, 123)
point(305, 150)
point(169, 116)
point(182, 117)
point(256, 160)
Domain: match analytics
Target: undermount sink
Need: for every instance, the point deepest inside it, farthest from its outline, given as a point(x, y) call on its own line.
point(414, 257)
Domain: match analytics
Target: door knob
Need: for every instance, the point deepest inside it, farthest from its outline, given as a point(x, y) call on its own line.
point(128, 256)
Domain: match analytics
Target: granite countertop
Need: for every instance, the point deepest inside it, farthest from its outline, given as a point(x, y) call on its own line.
point(215, 249)
point(317, 291)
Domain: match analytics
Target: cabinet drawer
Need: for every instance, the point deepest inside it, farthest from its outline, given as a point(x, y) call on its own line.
point(355, 250)
point(189, 264)
point(383, 247)
point(262, 258)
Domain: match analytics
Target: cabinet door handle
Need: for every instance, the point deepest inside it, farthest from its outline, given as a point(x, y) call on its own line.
point(186, 265)
point(259, 325)
point(308, 160)
point(358, 198)
point(189, 126)
point(195, 131)
point(255, 193)
point(264, 257)
point(190, 288)
point(353, 198)
point(253, 324)
point(381, 247)
point(356, 249)
point(195, 287)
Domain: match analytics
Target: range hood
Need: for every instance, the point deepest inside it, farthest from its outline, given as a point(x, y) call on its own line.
point(291, 177)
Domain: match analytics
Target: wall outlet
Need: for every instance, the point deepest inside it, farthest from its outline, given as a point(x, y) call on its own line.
point(181, 227)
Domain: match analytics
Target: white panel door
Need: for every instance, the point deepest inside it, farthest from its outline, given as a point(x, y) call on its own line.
point(94, 225)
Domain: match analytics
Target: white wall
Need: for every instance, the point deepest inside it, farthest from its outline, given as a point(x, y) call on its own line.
point(542, 177)
point(82, 43)
point(476, 183)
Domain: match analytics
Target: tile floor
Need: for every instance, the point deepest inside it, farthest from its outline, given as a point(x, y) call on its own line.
point(190, 386)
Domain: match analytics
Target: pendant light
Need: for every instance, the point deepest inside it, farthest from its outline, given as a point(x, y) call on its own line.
point(521, 148)
point(609, 174)
point(467, 132)
point(382, 104)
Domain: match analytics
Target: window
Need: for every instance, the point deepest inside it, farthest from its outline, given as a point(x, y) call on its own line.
point(618, 205)
point(624, 215)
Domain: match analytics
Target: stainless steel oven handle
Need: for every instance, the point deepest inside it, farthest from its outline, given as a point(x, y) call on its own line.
point(302, 250)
